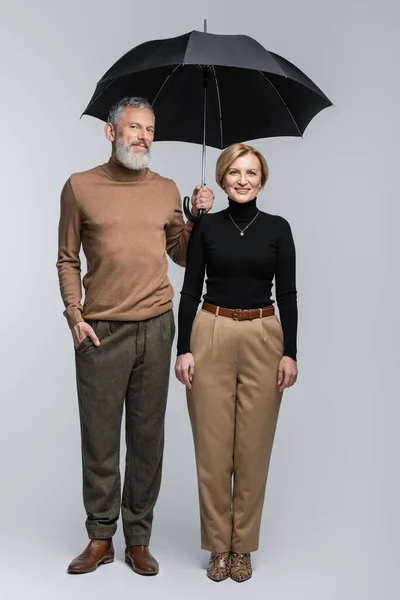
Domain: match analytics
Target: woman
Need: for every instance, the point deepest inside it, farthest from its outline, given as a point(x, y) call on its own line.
point(234, 357)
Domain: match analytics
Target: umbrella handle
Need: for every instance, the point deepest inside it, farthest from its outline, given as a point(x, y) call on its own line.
point(188, 213)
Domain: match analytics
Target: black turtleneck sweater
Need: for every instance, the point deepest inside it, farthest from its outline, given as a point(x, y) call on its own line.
point(240, 269)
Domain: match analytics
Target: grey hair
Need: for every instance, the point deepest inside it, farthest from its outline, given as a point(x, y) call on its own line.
point(132, 102)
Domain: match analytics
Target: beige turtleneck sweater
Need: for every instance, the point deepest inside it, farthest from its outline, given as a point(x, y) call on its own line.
point(125, 221)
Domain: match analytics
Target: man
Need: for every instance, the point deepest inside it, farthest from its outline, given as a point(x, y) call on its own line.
point(126, 217)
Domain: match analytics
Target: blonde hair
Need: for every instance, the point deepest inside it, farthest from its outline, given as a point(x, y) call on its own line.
point(230, 154)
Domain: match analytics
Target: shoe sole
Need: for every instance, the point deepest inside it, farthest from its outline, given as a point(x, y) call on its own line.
point(105, 561)
point(217, 580)
point(139, 571)
point(241, 580)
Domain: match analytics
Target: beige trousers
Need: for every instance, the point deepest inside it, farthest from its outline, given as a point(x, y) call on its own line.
point(233, 407)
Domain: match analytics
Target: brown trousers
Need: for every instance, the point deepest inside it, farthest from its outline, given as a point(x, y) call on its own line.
point(233, 407)
point(129, 369)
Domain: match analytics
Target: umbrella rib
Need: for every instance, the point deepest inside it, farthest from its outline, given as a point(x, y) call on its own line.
point(99, 94)
point(286, 106)
point(164, 83)
point(219, 106)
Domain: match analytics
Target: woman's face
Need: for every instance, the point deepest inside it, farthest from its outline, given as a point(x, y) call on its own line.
point(242, 181)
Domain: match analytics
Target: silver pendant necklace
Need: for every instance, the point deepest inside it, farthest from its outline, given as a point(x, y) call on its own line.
point(247, 226)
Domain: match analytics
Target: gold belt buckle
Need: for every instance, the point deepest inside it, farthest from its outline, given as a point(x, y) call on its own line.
point(235, 316)
point(250, 314)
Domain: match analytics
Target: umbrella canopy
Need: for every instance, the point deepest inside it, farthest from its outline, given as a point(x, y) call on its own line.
point(251, 92)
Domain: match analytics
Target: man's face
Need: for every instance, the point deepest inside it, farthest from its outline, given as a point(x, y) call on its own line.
point(132, 138)
point(136, 129)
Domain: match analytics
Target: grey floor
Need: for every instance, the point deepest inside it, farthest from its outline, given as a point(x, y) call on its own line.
point(37, 570)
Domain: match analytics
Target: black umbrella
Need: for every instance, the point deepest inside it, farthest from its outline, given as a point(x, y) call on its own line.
point(213, 90)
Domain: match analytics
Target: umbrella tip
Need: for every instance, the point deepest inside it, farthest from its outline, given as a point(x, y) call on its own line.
point(205, 25)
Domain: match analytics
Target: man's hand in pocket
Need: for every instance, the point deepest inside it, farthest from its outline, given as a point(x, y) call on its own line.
point(82, 330)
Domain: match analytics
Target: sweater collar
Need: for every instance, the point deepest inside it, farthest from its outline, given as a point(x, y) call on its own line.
point(242, 211)
point(120, 173)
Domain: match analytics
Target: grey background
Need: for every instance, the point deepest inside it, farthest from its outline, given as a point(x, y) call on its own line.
point(331, 526)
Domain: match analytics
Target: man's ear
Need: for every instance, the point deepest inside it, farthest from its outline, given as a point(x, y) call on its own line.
point(109, 132)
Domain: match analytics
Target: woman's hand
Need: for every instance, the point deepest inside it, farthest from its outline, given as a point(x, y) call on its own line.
point(184, 369)
point(287, 373)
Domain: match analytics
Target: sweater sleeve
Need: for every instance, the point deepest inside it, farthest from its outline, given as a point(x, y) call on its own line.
point(192, 286)
point(178, 233)
point(286, 293)
point(68, 263)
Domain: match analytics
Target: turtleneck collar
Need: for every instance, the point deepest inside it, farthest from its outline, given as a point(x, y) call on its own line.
point(120, 173)
point(243, 212)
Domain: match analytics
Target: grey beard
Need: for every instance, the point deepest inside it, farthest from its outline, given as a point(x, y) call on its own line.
point(129, 159)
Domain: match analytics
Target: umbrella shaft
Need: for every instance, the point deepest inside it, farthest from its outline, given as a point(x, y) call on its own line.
point(203, 161)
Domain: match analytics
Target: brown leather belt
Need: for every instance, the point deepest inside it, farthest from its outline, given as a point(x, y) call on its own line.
point(239, 314)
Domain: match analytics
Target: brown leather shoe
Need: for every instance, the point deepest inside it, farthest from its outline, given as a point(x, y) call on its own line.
point(141, 561)
point(219, 566)
point(97, 552)
point(241, 566)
